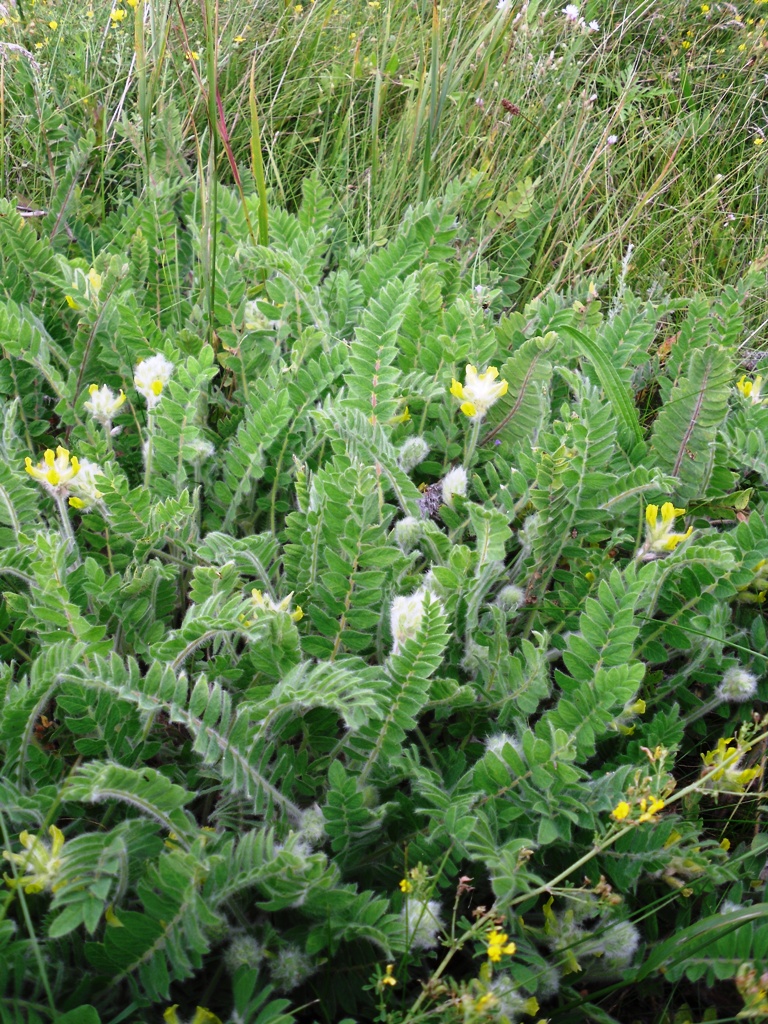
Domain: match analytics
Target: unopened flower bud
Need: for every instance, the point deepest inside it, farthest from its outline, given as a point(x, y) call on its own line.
point(510, 598)
point(413, 451)
point(407, 533)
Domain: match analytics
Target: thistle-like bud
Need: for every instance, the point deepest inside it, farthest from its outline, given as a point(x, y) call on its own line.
point(312, 826)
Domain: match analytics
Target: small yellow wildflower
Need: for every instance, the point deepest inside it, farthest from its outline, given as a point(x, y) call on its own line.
point(498, 945)
point(722, 766)
point(725, 844)
point(405, 885)
point(53, 25)
point(478, 392)
point(758, 141)
point(742, 46)
point(686, 44)
point(649, 809)
point(705, 8)
point(267, 604)
point(38, 46)
point(132, 3)
point(192, 55)
point(752, 389)
point(239, 39)
point(298, 8)
point(388, 979)
point(621, 810)
point(660, 537)
point(117, 15)
point(41, 863)
point(202, 1016)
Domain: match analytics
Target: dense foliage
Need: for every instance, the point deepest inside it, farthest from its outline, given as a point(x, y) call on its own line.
point(383, 542)
point(326, 670)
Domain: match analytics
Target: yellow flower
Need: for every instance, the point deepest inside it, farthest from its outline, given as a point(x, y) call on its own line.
point(649, 809)
point(405, 885)
point(721, 766)
point(725, 844)
point(53, 25)
point(498, 945)
point(117, 15)
point(751, 389)
point(685, 44)
point(705, 8)
point(55, 471)
point(202, 1016)
point(267, 604)
point(239, 39)
point(758, 141)
point(660, 537)
point(132, 3)
point(478, 392)
point(41, 863)
point(621, 810)
point(388, 979)
point(192, 55)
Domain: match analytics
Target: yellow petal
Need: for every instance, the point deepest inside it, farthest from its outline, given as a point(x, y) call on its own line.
point(468, 409)
point(457, 389)
point(93, 388)
point(651, 514)
point(157, 386)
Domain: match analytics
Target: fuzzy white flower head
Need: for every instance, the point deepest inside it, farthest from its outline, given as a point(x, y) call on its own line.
point(571, 12)
point(405, 616)
point(56, 471)
point(510, 598)
point(422, 922)
point(83, 487)
point(103, 404)
point(503, 5)
point(454, 483)
point(150, 377)
point(312, 826)
point(593, 26)
point(737, 685)
point(290, 968)
point(479, 391)
point(243, 951)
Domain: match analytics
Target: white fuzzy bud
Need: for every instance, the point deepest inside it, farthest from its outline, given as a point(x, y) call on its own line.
point(290, 968)
point(312, 826)
point(737, 685)
point(422, 923)
point(454, 484)
point(243, 951)
point(412, 451)
point(408, 532)
point(510, 598)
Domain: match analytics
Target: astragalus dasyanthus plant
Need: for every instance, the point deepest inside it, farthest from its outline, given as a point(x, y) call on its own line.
point(370, 653)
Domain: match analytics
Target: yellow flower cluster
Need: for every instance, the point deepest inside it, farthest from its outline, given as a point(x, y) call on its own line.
point(41, 863)
point(660, 537)
point(648, 809)
point(498, 945)
point(722, 769)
